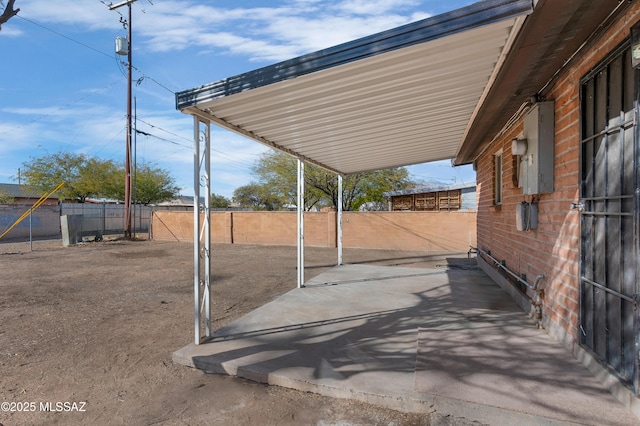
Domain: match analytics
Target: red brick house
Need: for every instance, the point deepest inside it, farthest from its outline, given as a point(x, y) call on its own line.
point(555, 144)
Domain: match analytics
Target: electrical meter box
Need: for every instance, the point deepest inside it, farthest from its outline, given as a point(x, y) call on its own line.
point(526, 216)
point(537, 164)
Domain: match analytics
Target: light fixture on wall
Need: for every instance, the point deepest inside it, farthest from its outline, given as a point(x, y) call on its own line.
point(635, 45)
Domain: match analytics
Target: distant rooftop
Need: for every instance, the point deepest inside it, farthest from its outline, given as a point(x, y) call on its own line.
point(19, 191)
point(431, 188)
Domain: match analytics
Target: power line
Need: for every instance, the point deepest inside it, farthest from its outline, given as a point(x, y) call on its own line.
point(115, 10)
point(125, 23)
point(120, 64)
point(64, 36)
point(189, 140)
point(213, 151)
point(98, 147)
point(152, 79)
point(94, 49)
point(140, 132)
point(164, 130)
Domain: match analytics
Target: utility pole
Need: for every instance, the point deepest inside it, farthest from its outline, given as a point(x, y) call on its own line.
point(127, 163)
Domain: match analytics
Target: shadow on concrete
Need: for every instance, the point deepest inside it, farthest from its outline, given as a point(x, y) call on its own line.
point(445, 339)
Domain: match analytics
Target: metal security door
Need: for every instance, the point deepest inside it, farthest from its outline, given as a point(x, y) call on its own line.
point(608, 218)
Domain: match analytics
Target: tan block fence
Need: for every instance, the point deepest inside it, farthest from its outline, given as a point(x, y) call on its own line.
point(452, 232)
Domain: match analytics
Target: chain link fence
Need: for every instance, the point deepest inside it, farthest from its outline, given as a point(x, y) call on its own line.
point(107, 219)
point(41, 229)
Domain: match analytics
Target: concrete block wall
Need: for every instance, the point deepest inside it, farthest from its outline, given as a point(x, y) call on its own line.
point(430, 231)
point(553, 249)
point(451, 232)
point(280, 228)
point(178, 226)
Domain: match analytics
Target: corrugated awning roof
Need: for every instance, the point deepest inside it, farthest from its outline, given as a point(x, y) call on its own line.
point(400, 97)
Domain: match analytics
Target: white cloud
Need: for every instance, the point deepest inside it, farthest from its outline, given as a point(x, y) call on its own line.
point(13, 136)
point(309, 35)
point(67, 116)
point(283, 32)
point(373, 7)
point(260, 33)
point(40, 112)
point(83, 15)
point(9, 30)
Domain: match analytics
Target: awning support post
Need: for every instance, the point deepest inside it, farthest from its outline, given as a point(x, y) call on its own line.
point(339, 236)
point(300, 224)
point(202, 234)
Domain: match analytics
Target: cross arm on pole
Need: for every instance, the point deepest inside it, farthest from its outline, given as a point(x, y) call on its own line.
point(122, 3)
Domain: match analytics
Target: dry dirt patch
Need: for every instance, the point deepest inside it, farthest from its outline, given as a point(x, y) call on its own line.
point(97, 324)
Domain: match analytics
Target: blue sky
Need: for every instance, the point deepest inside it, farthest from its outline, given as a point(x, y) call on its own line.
point(63, 88)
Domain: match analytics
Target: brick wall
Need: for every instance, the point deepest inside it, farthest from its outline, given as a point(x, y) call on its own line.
point(552, 249)
point(424, 231)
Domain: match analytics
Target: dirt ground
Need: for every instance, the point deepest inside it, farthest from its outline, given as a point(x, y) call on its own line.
point(87, 333)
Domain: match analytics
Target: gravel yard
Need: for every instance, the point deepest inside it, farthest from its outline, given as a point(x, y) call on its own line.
point(87, 333)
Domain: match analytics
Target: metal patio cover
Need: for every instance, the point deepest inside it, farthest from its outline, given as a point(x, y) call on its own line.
point(396, 98)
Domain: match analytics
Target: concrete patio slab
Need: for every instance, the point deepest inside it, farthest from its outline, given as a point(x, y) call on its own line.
point(421, 340)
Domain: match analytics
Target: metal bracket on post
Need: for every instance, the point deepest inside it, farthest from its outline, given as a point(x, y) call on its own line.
point(202, 234)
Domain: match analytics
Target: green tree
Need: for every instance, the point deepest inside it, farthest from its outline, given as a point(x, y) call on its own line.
point(256, 196)
point(87, 177)
point(277, 172)
point(100, 178)
point(219, 201)
point(370, 186)
point(5, 197)
point(153, 185)
point(46, 172)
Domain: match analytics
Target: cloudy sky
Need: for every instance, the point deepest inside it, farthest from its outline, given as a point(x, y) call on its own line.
point(63, 88)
